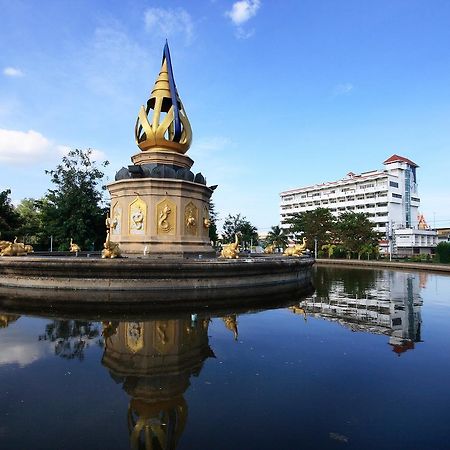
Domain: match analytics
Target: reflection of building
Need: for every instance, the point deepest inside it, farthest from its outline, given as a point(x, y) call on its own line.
point(390, 306)
point(154, 361)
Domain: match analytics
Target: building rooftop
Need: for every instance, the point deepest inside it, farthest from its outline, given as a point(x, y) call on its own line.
point(396, 158)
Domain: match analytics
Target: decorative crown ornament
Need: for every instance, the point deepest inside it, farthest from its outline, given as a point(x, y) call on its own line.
point(163, 124)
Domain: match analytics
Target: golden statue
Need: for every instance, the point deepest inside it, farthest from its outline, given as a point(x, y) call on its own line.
point(206, 222)
point(297, 249)
point(163, 123)
point(270, 249)
point(14, 248)
point(231, 323)
point(231, 251)
point(110, 249)
point(74, 248)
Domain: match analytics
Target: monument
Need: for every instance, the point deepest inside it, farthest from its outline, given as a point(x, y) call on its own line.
point(158, 223)
point(158, 205)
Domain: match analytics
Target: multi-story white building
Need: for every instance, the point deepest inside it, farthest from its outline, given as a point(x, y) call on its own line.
point(389, 196)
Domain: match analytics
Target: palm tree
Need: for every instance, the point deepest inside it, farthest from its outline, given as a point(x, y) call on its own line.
point(277, 237)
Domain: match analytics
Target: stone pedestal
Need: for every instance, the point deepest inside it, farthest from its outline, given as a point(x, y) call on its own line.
point(164, 217)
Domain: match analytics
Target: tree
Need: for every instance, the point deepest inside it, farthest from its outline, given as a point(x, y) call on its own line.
point(443, 252)
point(74, 208)
point(277, 237)
point(355, 232)
point(316, 224)
point(239, 225)
point(30, 231)
point(213, 216)
point(9, 219)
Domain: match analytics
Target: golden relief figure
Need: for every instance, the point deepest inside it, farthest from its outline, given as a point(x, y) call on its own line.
point(190, 219)
point(137, 216)
point(116, 220)
point(134, 336)
point(206, 218)
point(166, 217)
point(164, 336)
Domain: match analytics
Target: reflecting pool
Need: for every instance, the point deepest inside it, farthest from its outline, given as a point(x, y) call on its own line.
point(363, 363)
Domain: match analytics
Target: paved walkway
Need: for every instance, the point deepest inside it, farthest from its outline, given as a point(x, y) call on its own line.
point(392, 265)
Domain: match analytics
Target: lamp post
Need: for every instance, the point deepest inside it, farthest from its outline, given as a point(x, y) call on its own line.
point(315, 247)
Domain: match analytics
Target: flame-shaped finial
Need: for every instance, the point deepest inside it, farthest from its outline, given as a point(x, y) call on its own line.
point(163, 124)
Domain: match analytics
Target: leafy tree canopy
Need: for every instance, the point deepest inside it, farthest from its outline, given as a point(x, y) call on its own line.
point(237, 224)
point(74, 208)
point(9, 218)
point(213, 216)
point(355, 232)
point(277, 237)
point(316, 224)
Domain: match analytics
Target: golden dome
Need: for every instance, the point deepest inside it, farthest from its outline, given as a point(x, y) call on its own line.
point(163, 124)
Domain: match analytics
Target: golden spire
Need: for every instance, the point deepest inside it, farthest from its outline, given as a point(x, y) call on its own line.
point(163, 124)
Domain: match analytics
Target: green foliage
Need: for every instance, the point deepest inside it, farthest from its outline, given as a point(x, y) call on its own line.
point(73, 209)
point(443, 252)
point(316, 224)
point(277, 237)
point(9, 218)
point(213, 216)
point(355, 232)
point(30, 230)
point(237, 224)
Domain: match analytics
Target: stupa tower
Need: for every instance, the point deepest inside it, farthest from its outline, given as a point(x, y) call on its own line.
point(158, 205)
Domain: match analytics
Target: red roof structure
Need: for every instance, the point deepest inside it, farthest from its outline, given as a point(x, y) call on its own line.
point(397, 158)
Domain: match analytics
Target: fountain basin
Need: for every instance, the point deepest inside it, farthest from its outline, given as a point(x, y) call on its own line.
point(152, 281)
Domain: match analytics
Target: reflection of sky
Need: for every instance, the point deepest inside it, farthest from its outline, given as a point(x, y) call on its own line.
point(19, 342)
point(284, 383)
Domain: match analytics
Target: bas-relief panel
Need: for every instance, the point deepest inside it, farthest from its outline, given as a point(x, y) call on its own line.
point(164, 335)
point(166, 216)
point(137, 216)
point(116, 223)
point(134, 336)
point(191, 219)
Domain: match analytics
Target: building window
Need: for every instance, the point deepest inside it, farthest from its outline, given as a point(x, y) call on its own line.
point(396, 196)
point(415, 199)
point(393, 184)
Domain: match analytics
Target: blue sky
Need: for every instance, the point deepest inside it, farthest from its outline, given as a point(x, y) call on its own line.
point(280, 94)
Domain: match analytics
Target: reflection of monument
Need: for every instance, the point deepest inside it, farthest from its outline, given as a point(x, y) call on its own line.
point(158, 202)
point(6, 319)
point(390, 306)
point(154, 361)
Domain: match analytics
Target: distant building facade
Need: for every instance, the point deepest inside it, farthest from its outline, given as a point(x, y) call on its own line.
point(389, 197)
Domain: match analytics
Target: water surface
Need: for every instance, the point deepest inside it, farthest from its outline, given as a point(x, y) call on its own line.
point(364, 362)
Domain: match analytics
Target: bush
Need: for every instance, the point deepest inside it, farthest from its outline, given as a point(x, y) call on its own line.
point(443, 252)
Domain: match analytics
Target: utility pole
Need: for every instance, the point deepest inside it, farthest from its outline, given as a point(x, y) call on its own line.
point(315, 247)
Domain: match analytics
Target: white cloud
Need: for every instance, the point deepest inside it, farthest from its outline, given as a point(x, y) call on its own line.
point(170, 22)
point(243, 10)
point(22, 147)
point(343, 89)
point(12, 72)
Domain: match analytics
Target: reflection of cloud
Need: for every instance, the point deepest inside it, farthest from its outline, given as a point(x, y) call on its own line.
point(169, 22)
point(12, 72)
point(22, 354)
point(243, 10)
point(343, 89)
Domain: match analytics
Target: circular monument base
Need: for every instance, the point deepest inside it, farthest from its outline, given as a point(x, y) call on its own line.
point(158, 282)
